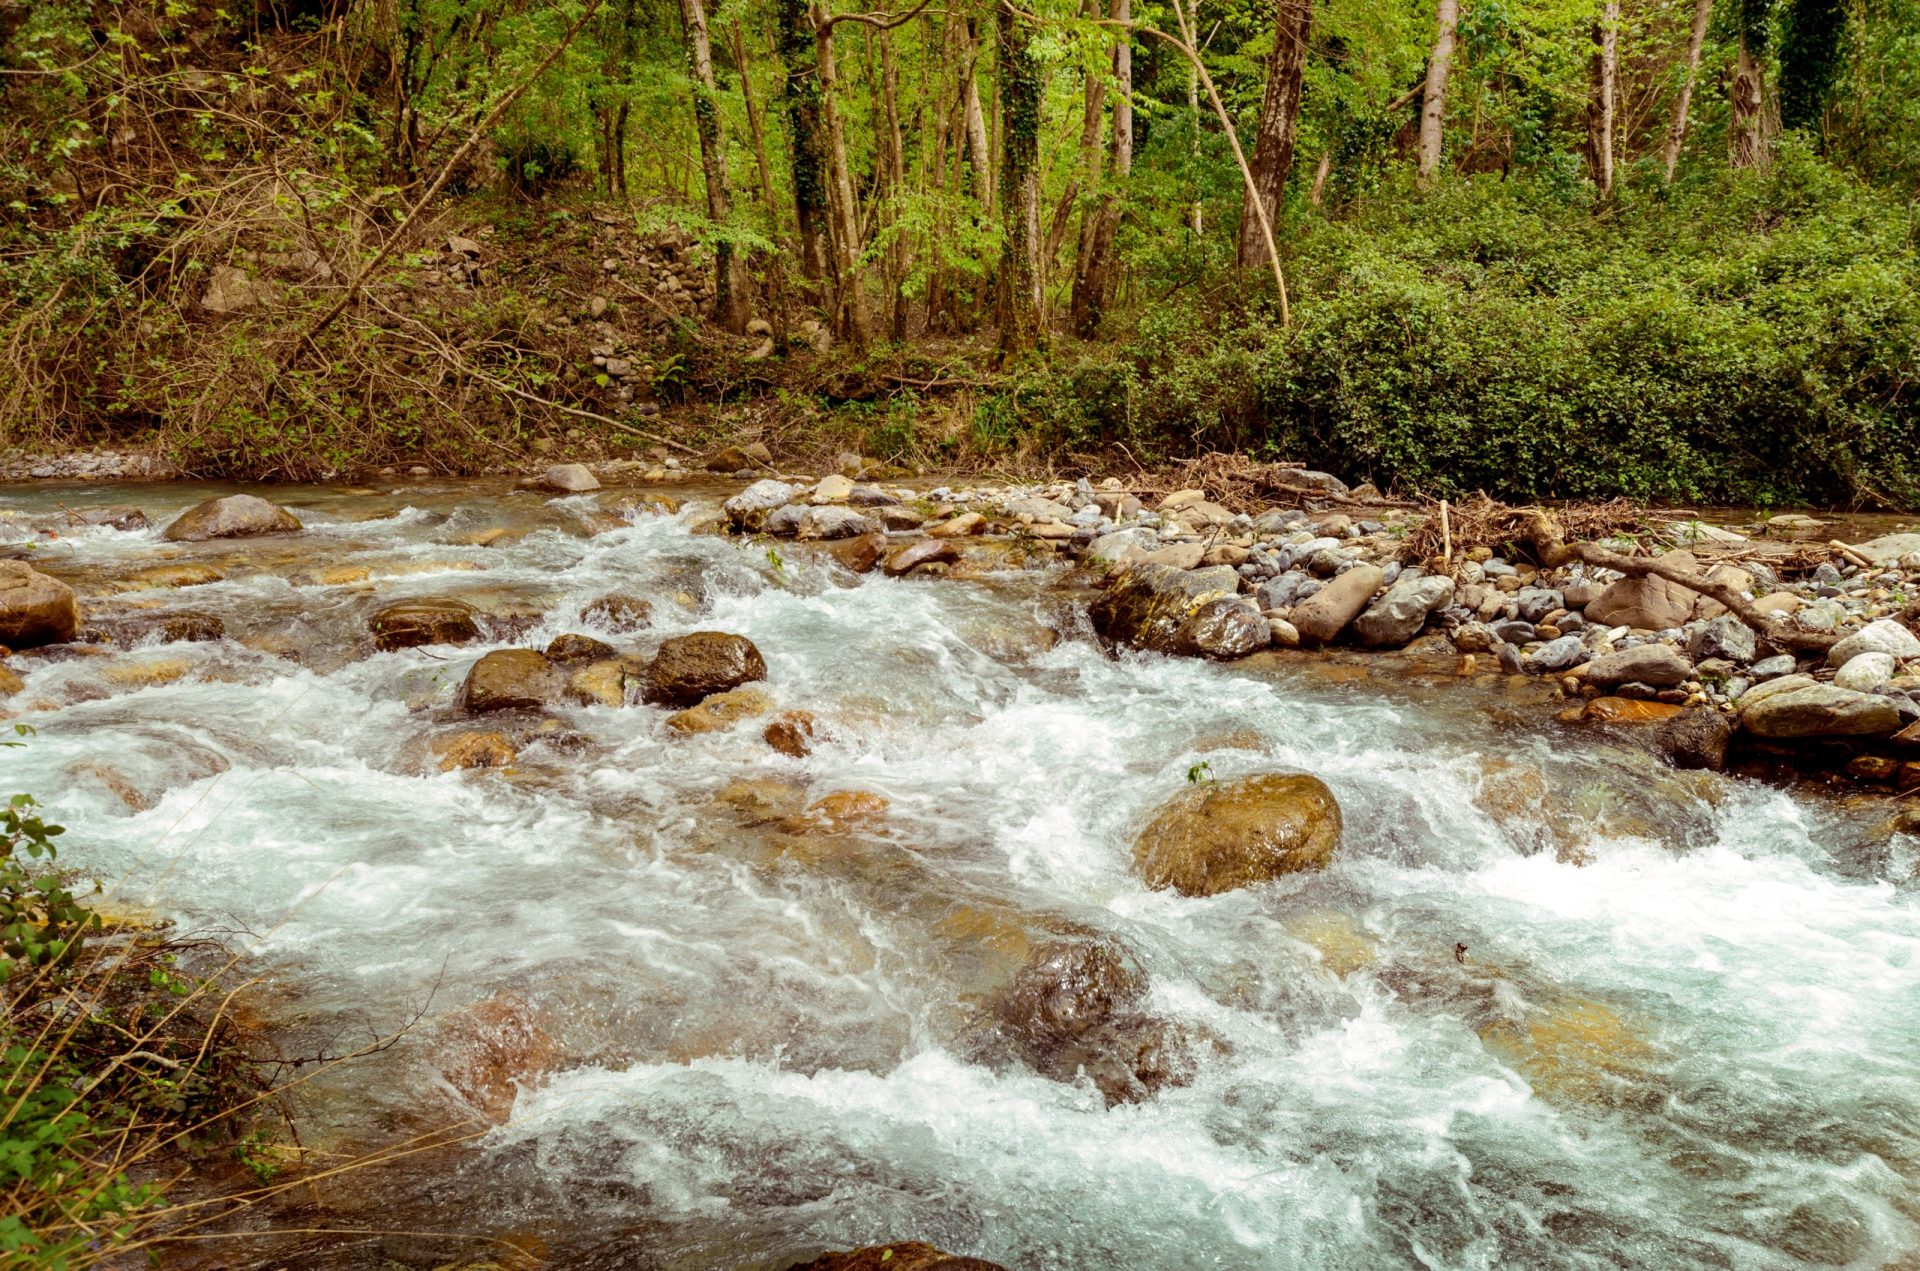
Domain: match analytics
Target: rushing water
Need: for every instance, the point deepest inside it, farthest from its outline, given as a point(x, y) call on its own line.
point(1685, 1030)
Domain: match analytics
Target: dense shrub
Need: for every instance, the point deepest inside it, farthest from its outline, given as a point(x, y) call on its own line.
point(1751, 339)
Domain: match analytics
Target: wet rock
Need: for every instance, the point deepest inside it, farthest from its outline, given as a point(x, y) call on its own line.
point(1864, 672)
point(861, 554)
point(10, 681)
point(1218, 835)
point(1399, 614)
point(34, 608)
point(909, 1255)
point(508, 679)
point(187, 625)
point(1797, 706)
point(236, 516)
point(569, 478)
point(844, 810)
point(633, 503)
point(1659, 665)
point(1148, 606)
point(116, 516)
point(178, 574)
point(1226, 628)
point(1881, 636)
point(1074, 1010)
point(906, 559)
point(1649, 603)
point(749, 509)
point(967, 523)
point(1723, 637)
point(491, 1050)
point(415, 623)
point(791, 734)
point(721, 710)
point(1695, 739)
point(1561, 654)
point(1473, 637)
point(455, 751)
point(1326, 613)
point(733, 459)
point(691, 667)
point(601, 683)
point(835, 522)
point(572, 649)
point(619, 612)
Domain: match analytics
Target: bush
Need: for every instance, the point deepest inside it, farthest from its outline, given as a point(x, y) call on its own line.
point(1745, 339)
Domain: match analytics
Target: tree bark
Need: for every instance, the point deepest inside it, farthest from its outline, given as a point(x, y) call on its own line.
point(1279, 125)
point(1433, 107)
point(896, 188)
point(1020, 299)
point(850, 311)
point(1746, 129)
point(979, 153)
point(1696, 39)
point(776, 266)
point(1086, 176)
point(801, 52)
point(1600, 107)
point(1093, 279)
point(728, 289)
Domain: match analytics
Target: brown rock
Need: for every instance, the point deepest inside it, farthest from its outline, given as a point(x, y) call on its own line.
point(908, 1256)
point(472, 750)
point(730, 459)
point(11, 683)
point(691, 667)
point(35, 609)
point(602, 683)
point(847, 809)
point(491, 1050)
point(1622, 710)
point(573, 648)
point(721, 710)
point(413, 623)
point(960, 526)
point(1650, 603)
point(507, 679)
point(1326, 613)
point(792, 734)
point(1218, 835)
point(180, 574)
point(619, 612)
point(860, 554)
point(1873, 768)
point(906, 559)
point(236, 516)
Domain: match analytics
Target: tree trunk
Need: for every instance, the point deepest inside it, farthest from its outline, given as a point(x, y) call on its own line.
point(1606, 69)
point(1696, 39)
point(1093, 281)
point(776, 266)
point(1433, 107)
point(1086, 175)
point(1320, 175)
point(850, 313)
point(1279, 125)
point(801, 53)
point(728, 309)
point(1746, 129)
point(620, 149)
point(1020, 300)
point(979, 153)
point(896, 188)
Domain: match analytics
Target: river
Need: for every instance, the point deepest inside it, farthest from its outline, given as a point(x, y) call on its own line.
point(1684, 1029)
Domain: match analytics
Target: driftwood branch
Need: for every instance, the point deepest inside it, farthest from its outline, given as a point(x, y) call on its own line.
point(1550, 542)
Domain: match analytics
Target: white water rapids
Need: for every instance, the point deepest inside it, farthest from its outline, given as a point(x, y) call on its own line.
point(1692, 1039)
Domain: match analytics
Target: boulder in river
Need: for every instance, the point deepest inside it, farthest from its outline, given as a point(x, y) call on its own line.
point(910, 1255)
point(792, 734)
point(925, 552)
point(34, 608)
point(569, 478)
point(507, 679)
point(1326, 613)
point(1651, 603)
point(835, 522)
point(413, 623)
point(619, 612)
point(572, 648)
point(1799, 706)
point(1148, 606)
point(1215, 836)
point(1399, 614)
point(454, 751)
point(749, 509)
point(690, 667)
point(1229, 627)
point(1695, 739)
point(1659, 665)
point(600, 683)
point(235, 516)
point(721, 710)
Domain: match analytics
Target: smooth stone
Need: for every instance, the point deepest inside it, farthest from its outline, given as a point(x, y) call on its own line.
point(1216, 836)
point(236, 516)
point(506, 679)
point(1656, 664)
point(1799, 706)
point(1864, 672)
point(691, 667)
point(569, 478)
point(1651, 603)
point(1397, 616)
point(1326, 613)
point(1883, 635)
point(35, 608)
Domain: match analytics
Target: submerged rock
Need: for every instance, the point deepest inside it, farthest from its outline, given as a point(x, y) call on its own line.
point(236, 516)
point(792, 734)
point(507, 679)
point(414, 623)
point(455, 751)
point(619, 612)
point(908, 1256)
point(1218, 835)
point(34, 608)
point(721, 710)
point(690, 667)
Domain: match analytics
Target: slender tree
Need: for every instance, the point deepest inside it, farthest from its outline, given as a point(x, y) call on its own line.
point(1020, 299)
point(1094, 274)
point(807, 140)
point(1433, 106)
point(1600, 106)
point(1279, 125)
point(1696, 40)
point(729, 307)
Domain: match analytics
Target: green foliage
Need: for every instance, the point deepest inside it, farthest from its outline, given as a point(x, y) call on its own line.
point(1812, 45)
point(41, 922)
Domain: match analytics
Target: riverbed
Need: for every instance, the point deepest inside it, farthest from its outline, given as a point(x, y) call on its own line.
point(1552, 1005)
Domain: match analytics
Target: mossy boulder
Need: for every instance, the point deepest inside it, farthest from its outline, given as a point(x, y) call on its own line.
point(1218, 835)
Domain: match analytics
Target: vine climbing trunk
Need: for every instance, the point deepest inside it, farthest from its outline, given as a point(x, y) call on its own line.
point(1600, 107)
point(1696, 40)
point(1279, 125)
point(1433, 105)
point(729, 308)
point(1746, 127)
point(1020, 300)
point(1094, 277)
point(800, 51)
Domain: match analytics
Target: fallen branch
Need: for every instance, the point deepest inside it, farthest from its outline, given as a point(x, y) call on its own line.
point(1550, 542)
